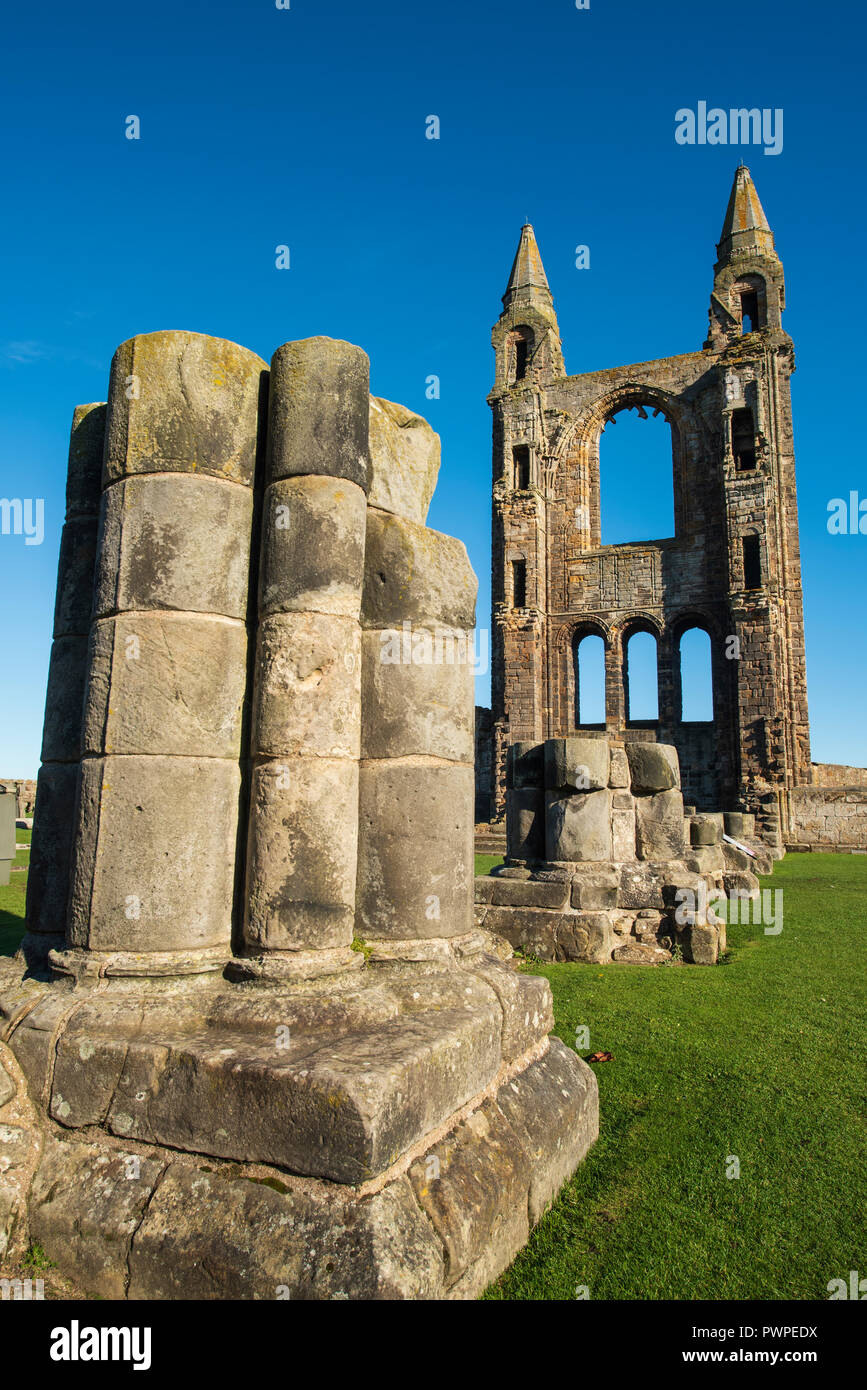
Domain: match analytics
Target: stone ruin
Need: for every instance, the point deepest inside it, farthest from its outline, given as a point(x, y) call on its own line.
point(602, 863)
point(253, 1045)
point(8, 809)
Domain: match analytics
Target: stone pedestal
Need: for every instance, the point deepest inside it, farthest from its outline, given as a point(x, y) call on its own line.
point(274, 1057)
point(602, 863)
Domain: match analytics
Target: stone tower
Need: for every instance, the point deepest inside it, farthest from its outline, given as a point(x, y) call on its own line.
point(732, 567)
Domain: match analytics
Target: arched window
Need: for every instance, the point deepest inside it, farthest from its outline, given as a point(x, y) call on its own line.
point(640, 681)
point(588, 652)
point(750, 295)
point(696, 676)
point(522, 352)
point(636, 481)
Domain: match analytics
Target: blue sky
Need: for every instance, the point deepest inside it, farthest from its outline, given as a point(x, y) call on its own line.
point(306, 127)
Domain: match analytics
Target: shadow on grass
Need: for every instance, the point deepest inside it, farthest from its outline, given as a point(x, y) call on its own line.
point(11, 932)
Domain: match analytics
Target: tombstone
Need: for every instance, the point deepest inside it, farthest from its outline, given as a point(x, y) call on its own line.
point(8, 809)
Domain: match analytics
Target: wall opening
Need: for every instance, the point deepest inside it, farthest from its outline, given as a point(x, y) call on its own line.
point(636, 478)
point(521, 464)
point(640, 679)
point(696, 676)
point(749, 312)
point(519, 583)
point(743, 438)
point(752, 562)
point(521, 354)
point(588, 654)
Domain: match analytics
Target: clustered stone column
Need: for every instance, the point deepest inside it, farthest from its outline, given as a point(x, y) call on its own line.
point(416, 793)
point(306, 729)
point(153, 876)
point(51, 849)
point(277, 758)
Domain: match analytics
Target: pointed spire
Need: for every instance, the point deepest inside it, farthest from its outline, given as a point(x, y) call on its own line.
point(528, 283)
point(746, 227)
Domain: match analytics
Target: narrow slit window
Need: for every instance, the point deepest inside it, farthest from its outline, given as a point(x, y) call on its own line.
point(521, 359)
point(743, 439)
point(521, 457)
point(749, 311)
point(519, 583)
point(752, 562)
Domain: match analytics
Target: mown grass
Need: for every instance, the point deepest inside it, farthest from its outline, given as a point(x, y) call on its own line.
point(12, 898)
point(762, 1058)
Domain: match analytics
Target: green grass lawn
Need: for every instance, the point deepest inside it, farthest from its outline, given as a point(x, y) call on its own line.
point(12, 899)
point(761, 1057)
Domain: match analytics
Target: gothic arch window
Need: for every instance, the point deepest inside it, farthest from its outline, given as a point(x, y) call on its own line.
point(696, 675)
point(640, 677)
point(637, 470)
point(750, 296)
point(521, 353)
point(588, 657)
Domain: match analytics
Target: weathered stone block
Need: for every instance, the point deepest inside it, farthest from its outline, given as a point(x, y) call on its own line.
point(415, 575)
point(641, 886)
point(528, 929)
point(579, 764)
point(653, 767)
point(84, 471)
point(85, 1207)
point(183, 402)
point(177, 542)
point(618, 774)
point(419, 707)
point(415, 850)
point(525, 766)
point(75, 577)
point(169, 683)
point(525, 823)
point(209, 1236)
point(301, 883)
point(597, 892)
point(525, 1000)
point(404, 460)
point(703, 830)
point(706, 859)
point(659, 825)
point(623, 835)
point(636, 953)
point(318, 411)
point(578, 827)
point(51, 848)
point(701, 944)
point(307, 695)
point(468, 1204)
point(64, 700)
point(155, 859)
point(313, 546)
point(509, 892)
point(558, 1096)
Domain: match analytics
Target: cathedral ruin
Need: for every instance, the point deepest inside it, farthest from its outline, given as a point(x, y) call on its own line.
point(732, 568)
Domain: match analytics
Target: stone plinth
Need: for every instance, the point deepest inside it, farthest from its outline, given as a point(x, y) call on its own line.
point(270, 1055)
point(603, 865)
